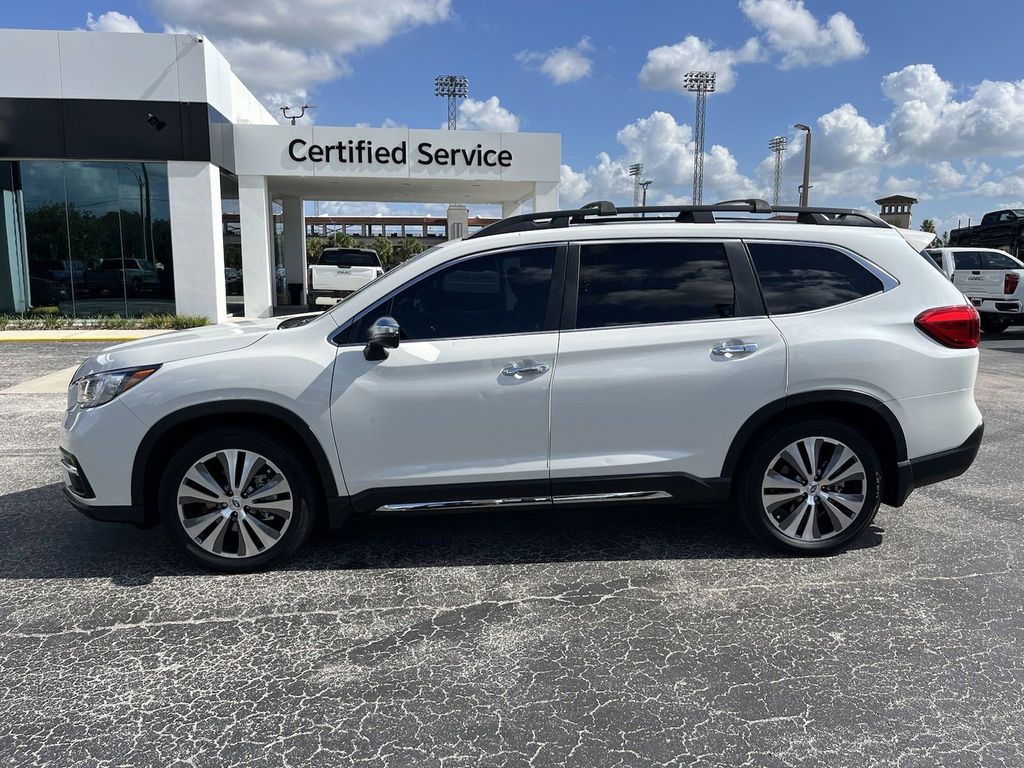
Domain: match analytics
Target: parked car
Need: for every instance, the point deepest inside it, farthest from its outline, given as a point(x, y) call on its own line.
point(339, 272)
point(803, 372)
point(991, 279)
point(998, 229)
point(115, 276)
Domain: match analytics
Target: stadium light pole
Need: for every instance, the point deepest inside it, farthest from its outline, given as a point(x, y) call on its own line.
point(805, 188)
point(453, 88)
point(636, 170)
point(700, 83)
point(777, 145)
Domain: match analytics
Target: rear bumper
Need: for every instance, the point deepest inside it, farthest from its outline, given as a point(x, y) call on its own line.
point(325, 298)
point(998, 306)
point(936, 467)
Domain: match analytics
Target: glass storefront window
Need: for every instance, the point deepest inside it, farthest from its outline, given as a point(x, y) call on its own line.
point(234, 288)
point(97, 237)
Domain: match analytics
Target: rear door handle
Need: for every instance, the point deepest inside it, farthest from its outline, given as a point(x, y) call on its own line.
point(733, 350)
point(524, 368)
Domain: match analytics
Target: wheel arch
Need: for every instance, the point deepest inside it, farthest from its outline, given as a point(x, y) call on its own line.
point(170, 432)
point(860, 411)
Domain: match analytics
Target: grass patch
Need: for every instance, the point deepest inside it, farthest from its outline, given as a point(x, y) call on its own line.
point(38, 321)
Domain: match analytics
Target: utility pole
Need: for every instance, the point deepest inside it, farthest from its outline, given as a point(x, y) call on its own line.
point(778, 146)
point(805, 188)
point(700, 83)
point(453, 88)
point(636, 170)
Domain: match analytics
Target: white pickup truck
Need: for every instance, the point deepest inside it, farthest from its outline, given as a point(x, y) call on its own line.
point(992, 280)
point(340, 271)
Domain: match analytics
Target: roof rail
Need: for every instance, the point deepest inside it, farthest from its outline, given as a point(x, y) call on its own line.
point(604, 212)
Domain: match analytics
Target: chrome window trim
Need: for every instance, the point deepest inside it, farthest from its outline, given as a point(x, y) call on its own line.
point(341, 329)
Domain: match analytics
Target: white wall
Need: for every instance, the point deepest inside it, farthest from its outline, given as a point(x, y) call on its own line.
point(257, 246)
point(197, 239)
point(123, 66)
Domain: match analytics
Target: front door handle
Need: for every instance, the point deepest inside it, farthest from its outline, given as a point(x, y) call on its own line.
point(729, 351)
point(524, 368)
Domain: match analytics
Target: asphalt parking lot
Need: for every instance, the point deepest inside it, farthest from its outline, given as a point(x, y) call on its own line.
point(592, 638)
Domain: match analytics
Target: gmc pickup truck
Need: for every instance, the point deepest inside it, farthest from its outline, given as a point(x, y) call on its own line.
point(340, 271)
point(992, 280)
point(999, 229)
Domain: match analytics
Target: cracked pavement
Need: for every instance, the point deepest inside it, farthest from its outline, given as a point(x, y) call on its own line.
point(586, 638)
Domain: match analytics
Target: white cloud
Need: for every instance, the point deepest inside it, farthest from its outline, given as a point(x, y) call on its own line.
point(792, 31)
point(282, 50)
point(562, 65)
point(487, 115)
point(573, 186)
point(667, 64)
point(945, 176)
point(665, 147)
point(111, 21)
point(279, 74)
point(929, 123)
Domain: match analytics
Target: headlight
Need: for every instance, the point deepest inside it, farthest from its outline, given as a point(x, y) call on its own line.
point(100, 388)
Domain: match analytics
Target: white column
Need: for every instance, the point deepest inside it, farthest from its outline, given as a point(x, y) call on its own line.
point(294, 216)
point(257, 247)
point(197, 239)
point(545, 196)
point(513, 208)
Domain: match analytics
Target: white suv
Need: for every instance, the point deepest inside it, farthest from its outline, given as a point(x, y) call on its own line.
point(806, 367)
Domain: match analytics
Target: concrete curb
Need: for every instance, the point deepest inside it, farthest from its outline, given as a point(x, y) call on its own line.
point(78, 335)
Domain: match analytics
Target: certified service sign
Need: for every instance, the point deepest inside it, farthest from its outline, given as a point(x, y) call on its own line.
point(363, 152)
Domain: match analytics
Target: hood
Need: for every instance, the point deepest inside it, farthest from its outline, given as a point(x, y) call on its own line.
point(178, 345)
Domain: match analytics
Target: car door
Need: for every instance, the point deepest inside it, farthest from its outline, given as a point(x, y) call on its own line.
point(665, 352)
point(459, 410)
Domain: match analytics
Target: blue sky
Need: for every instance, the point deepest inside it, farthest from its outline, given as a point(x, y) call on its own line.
point(925, 98)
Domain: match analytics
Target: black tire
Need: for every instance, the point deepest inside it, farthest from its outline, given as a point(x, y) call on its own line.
point(135, 289)
point(990, 324)
point(280, 455)
point(752, 510)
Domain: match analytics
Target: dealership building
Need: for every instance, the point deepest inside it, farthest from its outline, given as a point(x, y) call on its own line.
point(121, 154)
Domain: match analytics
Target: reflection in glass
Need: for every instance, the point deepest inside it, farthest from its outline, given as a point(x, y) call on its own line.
point(98, 237)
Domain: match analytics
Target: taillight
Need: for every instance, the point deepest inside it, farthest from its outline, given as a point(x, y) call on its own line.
point(956, 327)
point(1010, 282)
point(309, 278)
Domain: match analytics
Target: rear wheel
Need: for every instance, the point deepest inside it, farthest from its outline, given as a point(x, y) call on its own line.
point(994, 323)
point(811, 487)
point(236, 501)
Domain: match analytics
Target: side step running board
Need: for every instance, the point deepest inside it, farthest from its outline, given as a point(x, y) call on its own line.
point(528, 501)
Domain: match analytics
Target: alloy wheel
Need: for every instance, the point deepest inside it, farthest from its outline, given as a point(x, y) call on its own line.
point(814, 489)
point(235, 503)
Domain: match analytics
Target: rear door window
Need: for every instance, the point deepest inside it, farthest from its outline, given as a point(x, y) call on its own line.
point(967, 260)
point(349, 259)
point(636, 283)
point(801, 278)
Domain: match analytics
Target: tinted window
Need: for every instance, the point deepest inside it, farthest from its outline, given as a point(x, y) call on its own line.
point(935, 256)
point(490, 295)
point(349, 259)
point(967, 260)
point(991, 260)
point(799, 278)
point(633, 283)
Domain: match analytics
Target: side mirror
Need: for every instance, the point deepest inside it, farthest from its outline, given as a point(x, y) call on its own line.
point(384, 334)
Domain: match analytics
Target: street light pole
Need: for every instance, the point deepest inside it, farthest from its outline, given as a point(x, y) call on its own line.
point(806, 186)
point(701, 84)
point(778, 146)
point(453, 88)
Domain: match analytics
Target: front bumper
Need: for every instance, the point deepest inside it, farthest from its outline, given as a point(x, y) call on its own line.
point(107, 514)
point(936, 467)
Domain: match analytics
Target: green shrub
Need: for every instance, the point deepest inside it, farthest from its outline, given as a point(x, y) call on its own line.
point(45, 321)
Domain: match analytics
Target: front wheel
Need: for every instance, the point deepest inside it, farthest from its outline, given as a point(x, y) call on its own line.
point(811, 488)
point(236, 500)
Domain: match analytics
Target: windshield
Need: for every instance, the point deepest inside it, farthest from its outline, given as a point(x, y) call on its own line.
point(349, 259)
point(404, 264)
